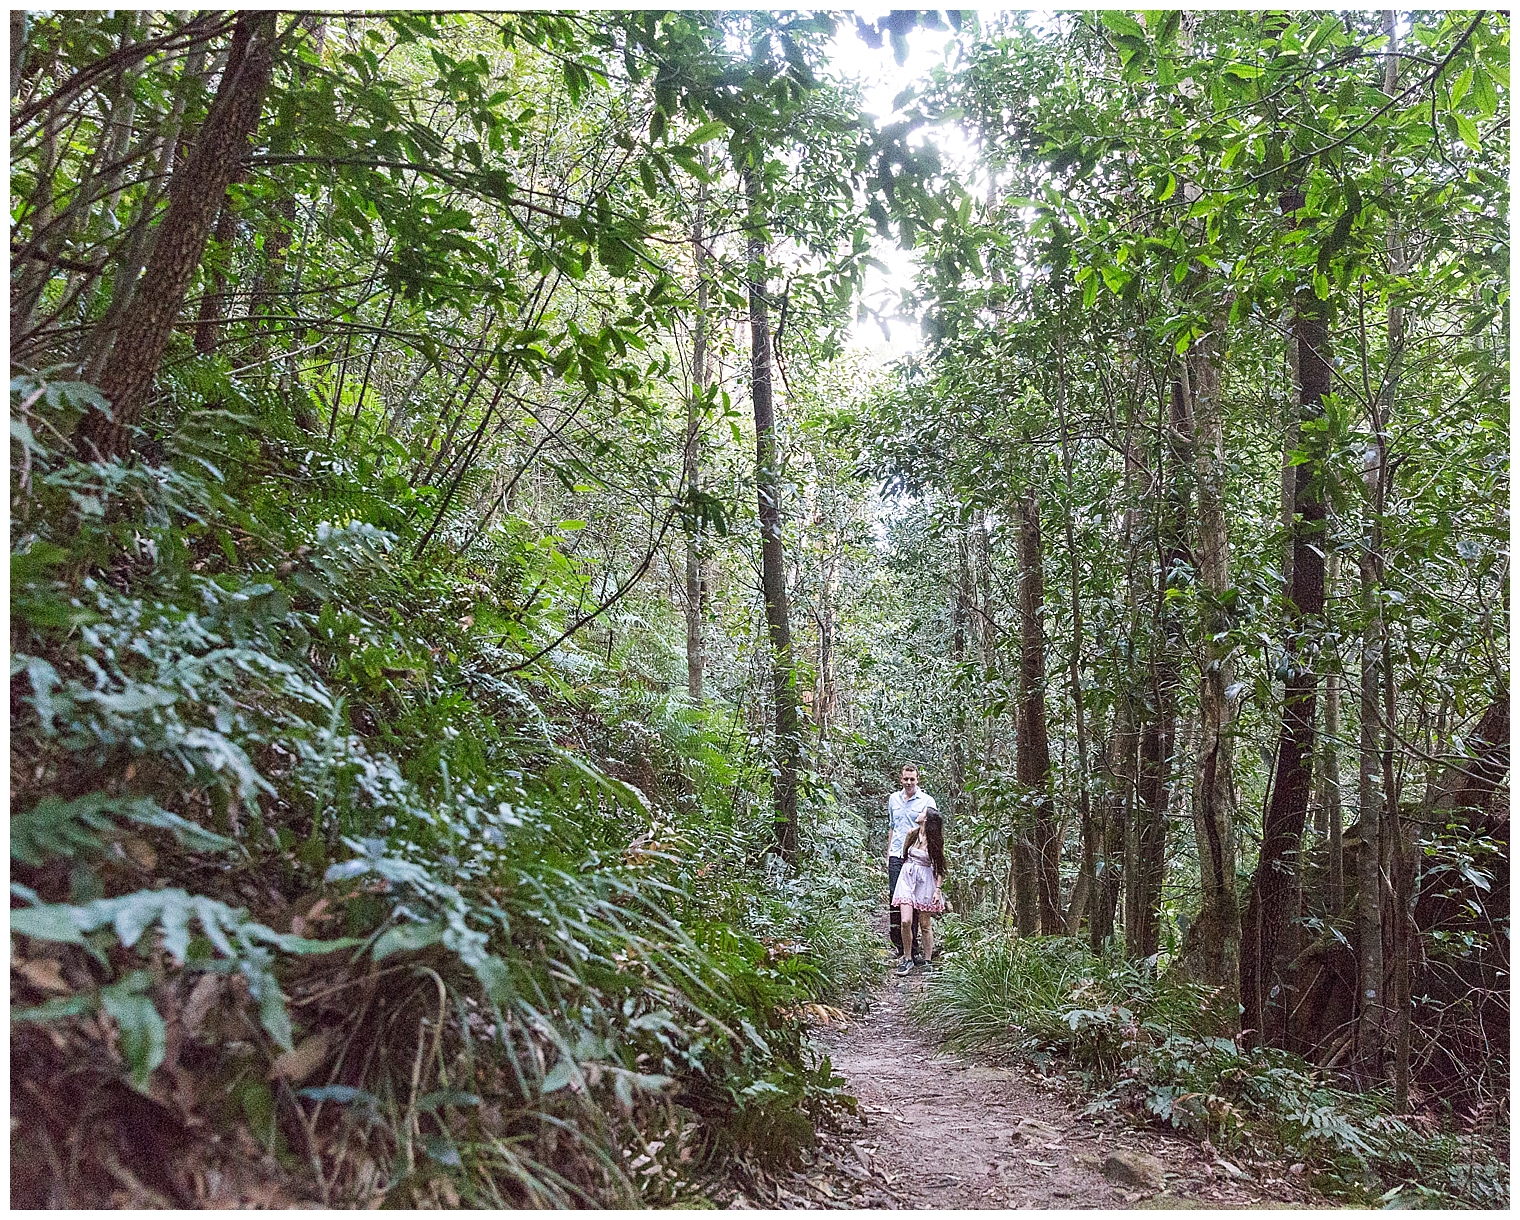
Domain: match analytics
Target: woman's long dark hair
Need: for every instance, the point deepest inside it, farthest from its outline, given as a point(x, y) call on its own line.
point(934, 825)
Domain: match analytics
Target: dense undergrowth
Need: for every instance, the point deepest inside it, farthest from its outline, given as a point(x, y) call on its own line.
point(1148, 1046)
point(320, 895)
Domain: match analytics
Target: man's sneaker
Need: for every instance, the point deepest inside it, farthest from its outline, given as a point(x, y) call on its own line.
point(906, 967)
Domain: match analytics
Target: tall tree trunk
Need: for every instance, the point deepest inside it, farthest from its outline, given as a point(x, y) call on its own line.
point(960, 613)
point(772, 561)
point(1033, 761)
point(1329, 804)
point(1377, 819)
point(195, 194)
point(208, 319)
point(1087, 875)
point(140, 247)
point(1110, 831)
point(696, 660)
point(1119, 836)
point(1271, 907)
point(1214, 820)
point(1158, 735)
point(1024, 869)
point(826, 697)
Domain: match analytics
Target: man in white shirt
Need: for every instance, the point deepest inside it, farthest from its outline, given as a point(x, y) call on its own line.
point(903, 809)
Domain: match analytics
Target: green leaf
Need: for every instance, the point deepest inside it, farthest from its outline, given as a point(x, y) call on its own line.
point(441, 1149)
point(140, 1027)
point(273, 1015)
point(1169, 189)
point(1484, 93)
point(1323, 32)
point(407, 938)
point(561, 1074)
point(1121, 23)
point(1468, 131)
point(54, 923)
point(1461, 85)
point(339, 1094)
point(44, 679)
point(707, 132)
point(58, 828)
point(56, 1009)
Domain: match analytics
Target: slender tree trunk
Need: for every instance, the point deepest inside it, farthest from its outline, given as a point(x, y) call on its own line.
point(1120, 835)
point(1330, 771)
point(1214, 820)
point(1270, 907)
point(1158, 735)
point(1087, 875)
point(696, 660)
point(140, 247)
point(826, 697)
point(1108, 869)
point(1377, 820)
point(195, 194)
point(19, 26)
point(960, 612)
point(209, 318)
point(1033, 762)
point(772, 561)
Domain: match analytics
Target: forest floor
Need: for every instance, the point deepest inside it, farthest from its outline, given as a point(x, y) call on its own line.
point(961, 1134)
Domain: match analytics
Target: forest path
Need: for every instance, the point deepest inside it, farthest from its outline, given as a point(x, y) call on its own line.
point(960, 1134)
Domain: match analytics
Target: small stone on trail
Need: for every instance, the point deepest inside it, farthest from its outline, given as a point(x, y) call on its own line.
point(1133, 1169)
point(1034, 1129)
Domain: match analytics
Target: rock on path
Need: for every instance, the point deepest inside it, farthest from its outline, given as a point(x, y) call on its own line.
point(950, 1133)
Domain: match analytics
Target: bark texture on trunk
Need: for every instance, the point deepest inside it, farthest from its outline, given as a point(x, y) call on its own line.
point(208, 319)
point(1086, 884)
point(1271, 906)
point(1158, 735)
point(1328, 815)
point(195, 195)
point(696, 658)
point(1110, 832)
point(1214, 816)
point(772, 561)
point(1032, 767)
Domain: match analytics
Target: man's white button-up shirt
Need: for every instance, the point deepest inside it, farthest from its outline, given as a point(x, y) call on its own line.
point(902, 816)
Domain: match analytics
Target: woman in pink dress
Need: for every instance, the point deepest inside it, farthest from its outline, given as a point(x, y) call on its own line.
point(917, 894)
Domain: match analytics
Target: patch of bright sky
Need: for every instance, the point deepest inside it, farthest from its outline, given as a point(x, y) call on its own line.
point(887, 333)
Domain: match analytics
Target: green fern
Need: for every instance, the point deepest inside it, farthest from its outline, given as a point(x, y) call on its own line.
point(59, 828)
point(242, 942)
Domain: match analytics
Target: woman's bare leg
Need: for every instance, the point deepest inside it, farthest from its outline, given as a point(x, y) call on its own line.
point(910, 940)
point(926, 933)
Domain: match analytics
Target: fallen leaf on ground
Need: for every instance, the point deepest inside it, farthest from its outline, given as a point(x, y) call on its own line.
point(296, 1065)
point(43, 973)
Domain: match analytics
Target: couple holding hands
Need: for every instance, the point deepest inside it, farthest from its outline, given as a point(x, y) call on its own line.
point(915, 869)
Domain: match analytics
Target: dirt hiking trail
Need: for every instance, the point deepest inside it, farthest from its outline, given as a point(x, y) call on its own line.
point(960, 1134)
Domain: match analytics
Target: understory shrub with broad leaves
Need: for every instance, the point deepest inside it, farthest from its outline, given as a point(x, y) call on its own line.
point(314, 899)
point(1151, 1045)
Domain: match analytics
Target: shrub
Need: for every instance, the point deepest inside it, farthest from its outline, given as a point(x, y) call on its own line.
point(432, 949)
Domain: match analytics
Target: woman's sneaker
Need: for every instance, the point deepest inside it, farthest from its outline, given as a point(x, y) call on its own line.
point(907, 966)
